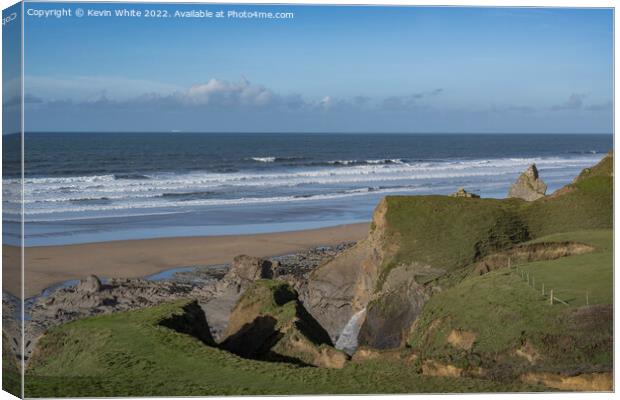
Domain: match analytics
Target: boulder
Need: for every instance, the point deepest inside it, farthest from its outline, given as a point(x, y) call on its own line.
point(464, 193)
point(270, 323)
point(528, 186)
point(91, 284)
point(248, 269)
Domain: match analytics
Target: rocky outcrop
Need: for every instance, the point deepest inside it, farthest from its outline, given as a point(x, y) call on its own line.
point(270, 323)
point(246, 269)
point(343, 286)
point(528, 186)
point(393, 309)
point(243, 272)
point(464, 193)
point(91, 284)
point(216, 289)
point(91, 297)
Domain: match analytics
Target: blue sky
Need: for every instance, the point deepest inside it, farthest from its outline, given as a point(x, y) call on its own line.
point(344, 69)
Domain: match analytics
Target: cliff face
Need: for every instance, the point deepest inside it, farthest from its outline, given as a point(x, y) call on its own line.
point(413, 240)
point(340, 288)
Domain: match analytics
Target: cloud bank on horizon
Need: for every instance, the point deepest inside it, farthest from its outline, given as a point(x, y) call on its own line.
point(332, 69)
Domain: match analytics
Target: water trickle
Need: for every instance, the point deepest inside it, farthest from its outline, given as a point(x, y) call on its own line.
point(347, 341)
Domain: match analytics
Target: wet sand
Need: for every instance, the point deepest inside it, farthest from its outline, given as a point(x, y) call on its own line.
point(48, 265)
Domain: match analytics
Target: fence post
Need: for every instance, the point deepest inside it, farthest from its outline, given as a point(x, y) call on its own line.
point(509, 264)
point(551, 296)
point(587, 299)
point(528, 278)
point(543, 288)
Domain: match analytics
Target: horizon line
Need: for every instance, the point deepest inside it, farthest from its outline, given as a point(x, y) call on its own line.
point(319, 132)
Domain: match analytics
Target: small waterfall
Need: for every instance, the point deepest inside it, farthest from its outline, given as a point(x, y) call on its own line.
point(347, 341)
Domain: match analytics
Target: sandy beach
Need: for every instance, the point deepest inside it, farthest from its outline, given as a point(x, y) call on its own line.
point(48, 265)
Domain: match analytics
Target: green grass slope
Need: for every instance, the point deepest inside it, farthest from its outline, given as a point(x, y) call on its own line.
point(450, 233)
point(505, 314)
point(11, 370)
point(131, 354)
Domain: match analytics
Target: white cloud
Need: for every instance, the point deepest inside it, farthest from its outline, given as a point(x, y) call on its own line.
point(224, 93)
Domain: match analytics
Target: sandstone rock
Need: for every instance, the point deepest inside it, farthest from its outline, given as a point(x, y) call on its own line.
point(463, 193)
point(528, 186)
point(247, 268)
point(243, 272)
point(343, 286)
point(349, 283)
point(270, 323)
point(91, 284)
point(394, 309)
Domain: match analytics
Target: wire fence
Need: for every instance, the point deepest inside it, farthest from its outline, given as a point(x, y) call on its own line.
point(547, 292)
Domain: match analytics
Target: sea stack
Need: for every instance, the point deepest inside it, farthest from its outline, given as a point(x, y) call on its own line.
point(528, 186)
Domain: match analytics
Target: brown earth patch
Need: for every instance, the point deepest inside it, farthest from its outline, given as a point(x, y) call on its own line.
point(528, 352)
point(435, 368)
point(462, 339)
point(529, 253)
point(363, 354)
point(595, 382)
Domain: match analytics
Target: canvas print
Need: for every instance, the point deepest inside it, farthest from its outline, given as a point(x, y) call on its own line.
point(252, 199)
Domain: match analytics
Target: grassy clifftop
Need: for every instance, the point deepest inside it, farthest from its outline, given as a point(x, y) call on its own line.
point(448, 233)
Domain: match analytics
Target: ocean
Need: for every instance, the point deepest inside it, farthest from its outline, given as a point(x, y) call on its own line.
point(89, 187)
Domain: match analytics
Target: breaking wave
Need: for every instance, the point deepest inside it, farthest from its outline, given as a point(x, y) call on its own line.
point(175, 190)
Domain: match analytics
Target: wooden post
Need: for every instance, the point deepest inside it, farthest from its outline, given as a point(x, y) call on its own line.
point(551, 296)
point(543, 288)
point(528, 278)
